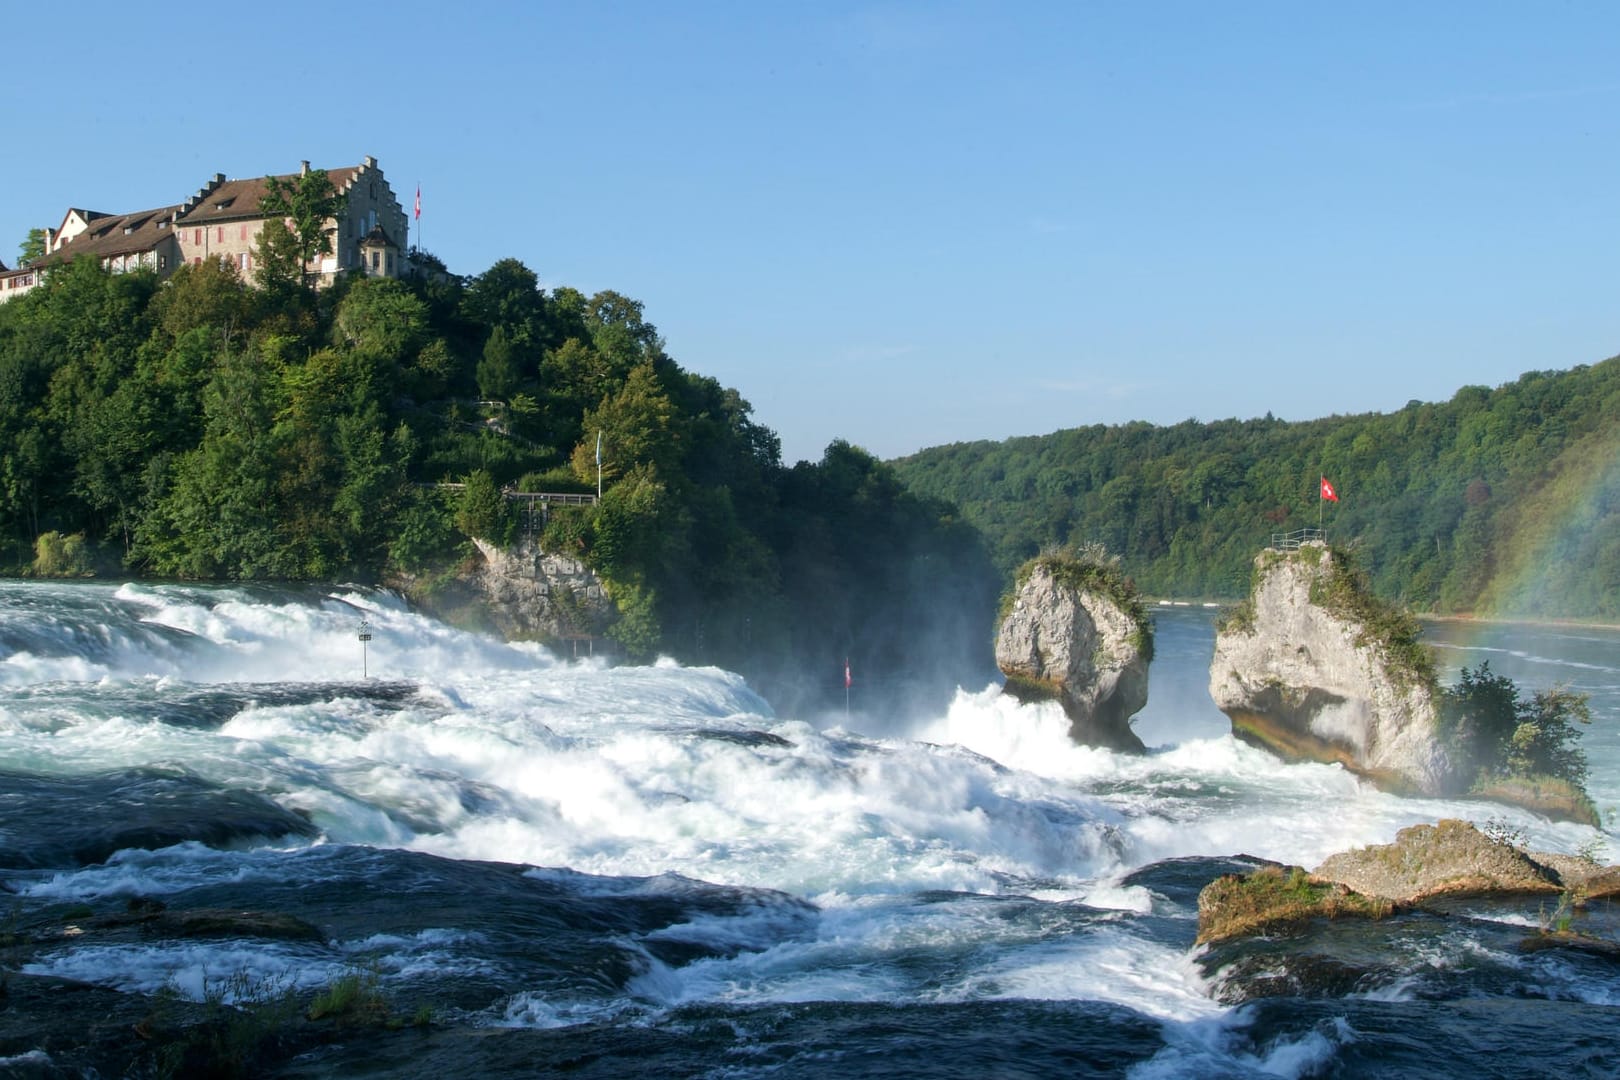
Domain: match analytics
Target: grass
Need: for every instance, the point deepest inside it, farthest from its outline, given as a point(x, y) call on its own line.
point(355, 997)
point(251, 1021)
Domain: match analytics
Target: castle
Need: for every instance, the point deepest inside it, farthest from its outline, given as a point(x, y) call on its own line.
point(222, 221)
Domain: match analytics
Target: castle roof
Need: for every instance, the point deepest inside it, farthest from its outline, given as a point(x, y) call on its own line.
point(237, 200)
point(115, 234)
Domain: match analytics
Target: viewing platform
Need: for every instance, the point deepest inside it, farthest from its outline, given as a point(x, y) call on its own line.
point(1293, 541)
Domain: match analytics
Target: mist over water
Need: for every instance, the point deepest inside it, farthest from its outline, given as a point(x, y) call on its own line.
point(532, 843)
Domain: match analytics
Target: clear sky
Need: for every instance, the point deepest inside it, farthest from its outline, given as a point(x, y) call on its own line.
point(907, 224)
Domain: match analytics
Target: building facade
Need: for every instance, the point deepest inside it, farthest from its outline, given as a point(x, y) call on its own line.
point(222, 221)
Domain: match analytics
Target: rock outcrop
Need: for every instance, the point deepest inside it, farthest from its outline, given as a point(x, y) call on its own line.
point(1426, 865)
point(1453, 858)
point(1303, 673)
point(1076, 634)
point(535, 594)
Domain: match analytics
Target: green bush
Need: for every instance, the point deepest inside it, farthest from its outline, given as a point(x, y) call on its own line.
point(484, 513)
point(56, 555)
point(1494, 734)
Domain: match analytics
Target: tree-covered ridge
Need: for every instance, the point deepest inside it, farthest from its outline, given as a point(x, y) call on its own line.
point(1503, 501)
point(204, 428)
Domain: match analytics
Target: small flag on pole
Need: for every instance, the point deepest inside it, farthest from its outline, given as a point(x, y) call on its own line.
point(418, 202)
point(847, 679)
point(599, 449)
point(1327, 491)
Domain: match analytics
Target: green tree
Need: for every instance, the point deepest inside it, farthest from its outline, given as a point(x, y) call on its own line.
point(482, 513)
point(33, 247)
point(498, 374)
point(300, 209)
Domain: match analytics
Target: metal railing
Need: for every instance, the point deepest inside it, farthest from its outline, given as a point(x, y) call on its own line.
point(534, 507)
point(1293, 541)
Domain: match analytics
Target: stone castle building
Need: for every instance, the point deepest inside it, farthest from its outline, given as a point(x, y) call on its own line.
point(222, 221)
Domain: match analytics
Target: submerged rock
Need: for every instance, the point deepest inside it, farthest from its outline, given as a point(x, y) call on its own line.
point(1313, 669)
point(1076, 633)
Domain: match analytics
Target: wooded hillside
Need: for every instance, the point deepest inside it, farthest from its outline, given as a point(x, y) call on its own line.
point(205, 428)
point(1503, 501)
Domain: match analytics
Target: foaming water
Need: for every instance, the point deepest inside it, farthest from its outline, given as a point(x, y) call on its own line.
point(556, 844)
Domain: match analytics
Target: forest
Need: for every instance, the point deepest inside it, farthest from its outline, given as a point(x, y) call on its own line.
point(212, 428)
point(1499, 502)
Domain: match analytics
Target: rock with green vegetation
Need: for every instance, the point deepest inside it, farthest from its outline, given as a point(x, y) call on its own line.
point(1451, 858)
point(1075, 631)
point(1314, 668)
point(1239, 905)
point(1517, 749)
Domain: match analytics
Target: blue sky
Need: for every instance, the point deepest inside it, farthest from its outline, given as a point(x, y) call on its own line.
point(907, 224)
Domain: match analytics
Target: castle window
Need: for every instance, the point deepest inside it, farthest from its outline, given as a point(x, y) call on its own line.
point(196, 237)
point(221, 236)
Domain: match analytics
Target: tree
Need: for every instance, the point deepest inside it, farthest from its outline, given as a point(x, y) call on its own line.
point(497, 371)
point(299, 209)
point(1491, 731)
point(32, 248)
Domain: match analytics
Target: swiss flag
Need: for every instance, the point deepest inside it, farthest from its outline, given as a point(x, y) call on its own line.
point(418, 202)
point(1327, 491)
point(846, 673)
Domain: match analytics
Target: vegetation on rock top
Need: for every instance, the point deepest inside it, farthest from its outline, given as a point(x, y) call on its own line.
point(1089, 568)
point(1238, 904)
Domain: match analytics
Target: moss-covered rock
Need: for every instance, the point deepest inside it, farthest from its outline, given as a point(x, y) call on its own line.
point(1238, 905)
point(1075, 631)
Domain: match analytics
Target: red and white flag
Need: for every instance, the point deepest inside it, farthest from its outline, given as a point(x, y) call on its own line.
point(418, 202)
point(1327, 491)
point(846, 673)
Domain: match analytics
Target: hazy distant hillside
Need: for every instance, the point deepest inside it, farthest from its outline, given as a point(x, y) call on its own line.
point(1502, 501)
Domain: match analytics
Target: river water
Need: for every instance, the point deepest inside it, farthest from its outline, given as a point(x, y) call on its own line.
point(656, 870)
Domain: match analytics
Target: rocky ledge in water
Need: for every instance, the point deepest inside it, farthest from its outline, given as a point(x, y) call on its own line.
point(1076, 632)
point(1285, 930)
point(1313, 668)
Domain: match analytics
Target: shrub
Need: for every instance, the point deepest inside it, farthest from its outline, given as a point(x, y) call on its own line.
point(56, 555)
point(1496, 736)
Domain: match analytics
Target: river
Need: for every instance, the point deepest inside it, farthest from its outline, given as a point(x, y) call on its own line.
point(647, 868)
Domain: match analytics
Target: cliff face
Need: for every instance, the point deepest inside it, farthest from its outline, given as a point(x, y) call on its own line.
point(532, 594)
point(1315, 684)
point(1081, 647)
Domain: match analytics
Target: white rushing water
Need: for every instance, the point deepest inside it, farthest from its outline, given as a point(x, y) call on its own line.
point(490, 751)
